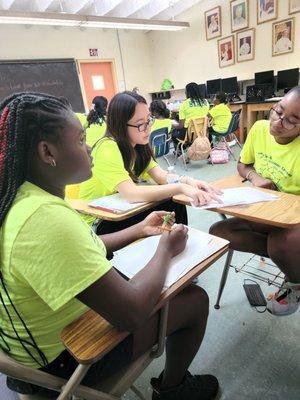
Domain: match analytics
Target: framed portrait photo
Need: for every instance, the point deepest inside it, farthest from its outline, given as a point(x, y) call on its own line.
point(213, 27)
point(239, 11)
point(266, 10)
point(245, 45)
point(226, 51)
point(294, 6)
point(283, 37)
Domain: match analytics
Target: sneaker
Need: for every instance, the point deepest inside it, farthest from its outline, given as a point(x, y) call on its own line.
point(193, 387)
point(285, 301)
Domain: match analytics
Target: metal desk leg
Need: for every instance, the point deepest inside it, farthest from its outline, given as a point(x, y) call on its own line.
point(224, 278)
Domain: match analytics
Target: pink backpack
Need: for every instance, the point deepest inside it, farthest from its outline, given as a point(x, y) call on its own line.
point(219, 154)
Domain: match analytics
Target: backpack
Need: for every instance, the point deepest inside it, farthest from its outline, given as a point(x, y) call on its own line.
point(196, 136)
point(219, 154)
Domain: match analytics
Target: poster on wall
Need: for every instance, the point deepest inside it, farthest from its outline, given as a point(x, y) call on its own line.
point(213, 27)
point(294, 6)
point(283, 37)
point(245, 45)
point(266, 10)
point(239, 11)
point(226, 51)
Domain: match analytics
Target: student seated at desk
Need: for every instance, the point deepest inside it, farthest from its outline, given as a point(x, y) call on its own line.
point(195, 106)
point(161, 114)
point(271, 159)
point(123, 157)
point(53, 267)
point(220, 116)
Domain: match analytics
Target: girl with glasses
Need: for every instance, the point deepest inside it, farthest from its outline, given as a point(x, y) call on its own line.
point(123, 158)
point(271, 159)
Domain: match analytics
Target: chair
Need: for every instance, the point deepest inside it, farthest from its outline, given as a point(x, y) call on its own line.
point(160, 143)
point(233, 126)
point(197, 127)
point(101, 338)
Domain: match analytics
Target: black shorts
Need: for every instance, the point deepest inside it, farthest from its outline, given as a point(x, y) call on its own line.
point(64, 365)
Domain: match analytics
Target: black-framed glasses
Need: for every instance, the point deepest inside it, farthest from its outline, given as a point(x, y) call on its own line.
point(143, 127)
point(285, 123)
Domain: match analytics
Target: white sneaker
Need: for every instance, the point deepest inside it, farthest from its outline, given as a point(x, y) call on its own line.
point(285, 301)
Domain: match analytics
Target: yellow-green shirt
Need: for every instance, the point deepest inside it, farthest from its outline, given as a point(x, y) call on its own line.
point(221, 115)
point(189, 110)
point(278, 162)
point(48, 256)
point(162, 123)
point(94, 132)
point(108, 172)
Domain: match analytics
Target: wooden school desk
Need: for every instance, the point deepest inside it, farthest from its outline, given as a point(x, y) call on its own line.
point(90, 337)
point(83, 207)
point(283, 212)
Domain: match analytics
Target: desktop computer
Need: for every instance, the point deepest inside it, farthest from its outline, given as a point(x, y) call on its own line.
point(231, 88)
point(213, 87)
point(287, 79)
point(266, 79)
point(202, 89)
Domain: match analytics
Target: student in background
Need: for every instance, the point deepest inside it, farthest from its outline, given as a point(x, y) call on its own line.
point(220, 115)
point(271, 159)
point(124, 156)
point(54, 268)
point(195, 106)
point(161, 114)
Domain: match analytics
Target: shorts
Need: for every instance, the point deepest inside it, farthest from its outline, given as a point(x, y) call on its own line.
point(64, 365)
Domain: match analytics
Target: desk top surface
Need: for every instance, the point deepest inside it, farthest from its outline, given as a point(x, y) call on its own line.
point(284, 212)
point(90, 336)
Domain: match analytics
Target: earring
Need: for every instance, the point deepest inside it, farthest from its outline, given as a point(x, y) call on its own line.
point(53, 163)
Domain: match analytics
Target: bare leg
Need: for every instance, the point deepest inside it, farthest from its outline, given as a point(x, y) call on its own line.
point(188, 314)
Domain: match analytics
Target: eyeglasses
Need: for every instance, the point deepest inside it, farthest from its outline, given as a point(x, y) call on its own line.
point(143, 127)
point(285, 123)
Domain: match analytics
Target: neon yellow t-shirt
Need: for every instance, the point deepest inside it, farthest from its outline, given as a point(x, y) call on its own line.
point(94, 132)
point(278, 162)
point(188, 110)
point(221, 115)
point(48, 256)
point(108, 172)
point(162, 123)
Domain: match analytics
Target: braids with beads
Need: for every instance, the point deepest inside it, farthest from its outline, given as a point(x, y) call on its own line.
point(25, 120)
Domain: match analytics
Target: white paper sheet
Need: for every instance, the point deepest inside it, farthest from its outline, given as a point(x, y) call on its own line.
point(115, 203)
point(200, 246)
point(238, 196)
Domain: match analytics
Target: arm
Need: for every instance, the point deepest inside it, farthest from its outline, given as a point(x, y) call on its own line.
point(127, 304)
point(248, 172)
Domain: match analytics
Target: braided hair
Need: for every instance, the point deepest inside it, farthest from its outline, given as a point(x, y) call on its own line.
point(98, 112)
point(159, 109)
point(25, 119)
point(194, 93)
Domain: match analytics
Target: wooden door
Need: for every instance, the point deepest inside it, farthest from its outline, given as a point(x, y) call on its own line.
point(98, 79)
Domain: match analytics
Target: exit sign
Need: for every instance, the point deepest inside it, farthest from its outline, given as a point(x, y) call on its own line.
point(93, 52)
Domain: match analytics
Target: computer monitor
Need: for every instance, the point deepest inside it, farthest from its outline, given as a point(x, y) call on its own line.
point(264, 78)
point(202, 89)
point(230, 85)
point(213, 86)
point(287, 78)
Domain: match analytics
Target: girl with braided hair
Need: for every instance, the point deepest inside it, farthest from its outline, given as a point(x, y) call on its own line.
point(53, 267)
point(161, 114)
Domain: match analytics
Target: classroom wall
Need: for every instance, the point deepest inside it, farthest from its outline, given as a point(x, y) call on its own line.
point(38, 42)
point(186, 56)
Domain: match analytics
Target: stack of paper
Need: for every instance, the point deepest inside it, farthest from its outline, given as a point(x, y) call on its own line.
point(114, 203)
point(238, 196)
point(200, 245)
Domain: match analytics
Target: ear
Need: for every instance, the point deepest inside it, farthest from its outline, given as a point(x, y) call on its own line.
point(47, 152)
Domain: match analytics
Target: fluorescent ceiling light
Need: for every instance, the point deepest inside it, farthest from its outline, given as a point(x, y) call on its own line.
point(88, 21)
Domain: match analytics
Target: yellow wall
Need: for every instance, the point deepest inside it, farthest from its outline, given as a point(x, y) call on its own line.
point(186, 56)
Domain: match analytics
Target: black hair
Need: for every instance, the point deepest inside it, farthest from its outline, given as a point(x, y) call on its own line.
point(98, 112)
point(159, 109)
point(120, 110)
point(222, 97)
point(25, 120)
point(194, 93)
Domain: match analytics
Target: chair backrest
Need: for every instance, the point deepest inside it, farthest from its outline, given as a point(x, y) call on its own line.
point(234, 123)
point(159, 142)
point(197, 127)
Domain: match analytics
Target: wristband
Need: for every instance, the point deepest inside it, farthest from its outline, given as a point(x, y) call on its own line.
point(248, 175)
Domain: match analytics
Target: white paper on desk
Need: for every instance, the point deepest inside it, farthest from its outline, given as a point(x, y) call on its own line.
point(114, 202)
point(200, 245)
point(239, 196)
